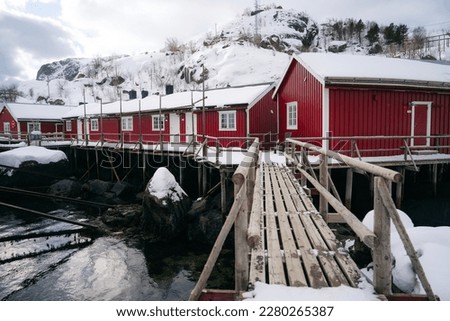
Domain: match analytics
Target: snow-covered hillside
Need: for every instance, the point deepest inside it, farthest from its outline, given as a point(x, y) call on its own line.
point(250, 49)
point(230, 57)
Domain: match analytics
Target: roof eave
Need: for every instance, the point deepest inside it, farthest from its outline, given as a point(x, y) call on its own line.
point(385, 82)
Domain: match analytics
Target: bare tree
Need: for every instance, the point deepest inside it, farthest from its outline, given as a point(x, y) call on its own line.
point(9, 93)
point(174, 45)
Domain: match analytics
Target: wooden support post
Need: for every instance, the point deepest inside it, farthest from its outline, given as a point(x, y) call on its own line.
point(223, 192)
point(389, 205)
point(333, 188)
point(97, 163)
point(204, 178)
point(434, 170)
point(323, 204)
point(371, 185)
point(349, 189)
point(382, 260)
point(88, 164)
point(144, 168)
point(199, 179)
point(399, 189)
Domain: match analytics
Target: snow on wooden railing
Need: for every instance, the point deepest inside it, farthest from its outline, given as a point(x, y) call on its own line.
point(244, 181)
point(378, 240)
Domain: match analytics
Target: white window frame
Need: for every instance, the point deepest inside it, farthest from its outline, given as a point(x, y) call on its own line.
point(225, 115)
point(6, 127)
point(158, 125)
point(127, 123)
point(94, 125)
point(68, 125)
point(35, 126)
point(292, 115)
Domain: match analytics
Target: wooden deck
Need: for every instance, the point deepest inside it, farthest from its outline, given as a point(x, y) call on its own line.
point(296, 247)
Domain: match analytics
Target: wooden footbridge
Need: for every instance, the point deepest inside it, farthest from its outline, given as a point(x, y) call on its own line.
point(280, 238)
point(301, 249)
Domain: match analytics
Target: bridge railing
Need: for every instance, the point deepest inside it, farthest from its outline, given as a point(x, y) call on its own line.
point(244, 181)
point(378, 240)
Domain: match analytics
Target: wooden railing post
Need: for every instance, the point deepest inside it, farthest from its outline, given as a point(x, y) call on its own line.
point(240, 236)
point(382, 261)
point(323, 204)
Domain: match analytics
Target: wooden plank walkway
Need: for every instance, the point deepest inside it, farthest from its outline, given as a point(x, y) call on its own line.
point(296, 248)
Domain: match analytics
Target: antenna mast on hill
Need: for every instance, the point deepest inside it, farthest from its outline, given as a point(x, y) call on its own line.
point(256, 36)
point(256, 18)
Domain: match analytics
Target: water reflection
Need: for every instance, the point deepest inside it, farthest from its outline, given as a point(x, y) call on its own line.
point(105, 268)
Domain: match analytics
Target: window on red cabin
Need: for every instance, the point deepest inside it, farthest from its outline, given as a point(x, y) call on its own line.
point(127, 123)
point(94, 125)
point(6, 128)
point(34, 126)
point(68, 125)
point(157, 122)
point(292, 115)
point(227, 120)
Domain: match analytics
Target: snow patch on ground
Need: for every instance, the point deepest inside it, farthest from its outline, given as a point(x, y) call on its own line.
point(432, 245)
point(274, 292)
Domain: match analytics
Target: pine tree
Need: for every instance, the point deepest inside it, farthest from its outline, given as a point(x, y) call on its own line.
point(373, 34)
point(359, 28)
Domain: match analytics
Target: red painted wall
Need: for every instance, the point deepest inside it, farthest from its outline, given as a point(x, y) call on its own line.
point(301, 86)
point(6, 117)
point(212, 127)
point(263, 119)
point(382, 112)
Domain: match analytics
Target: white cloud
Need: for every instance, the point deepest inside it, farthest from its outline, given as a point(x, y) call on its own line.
point(27, 41)
point(98, 27)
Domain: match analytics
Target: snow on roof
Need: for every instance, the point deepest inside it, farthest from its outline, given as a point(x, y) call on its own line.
point(244, 95)
point(356, 68)
point(37, 111)
point(234, 95)
point(41, 155)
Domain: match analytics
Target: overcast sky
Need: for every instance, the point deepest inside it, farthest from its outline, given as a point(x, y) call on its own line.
point(34, 32)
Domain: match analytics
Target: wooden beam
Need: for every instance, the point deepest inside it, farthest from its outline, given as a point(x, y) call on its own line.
point(351, 162)
point(382, 260)
point(323, 177)
point(409, 247)
point(254, 227)
point(349, 189)
point(366, 235)
point(399, 189)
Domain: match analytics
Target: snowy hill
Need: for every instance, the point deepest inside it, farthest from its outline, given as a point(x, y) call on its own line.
point(253, 48)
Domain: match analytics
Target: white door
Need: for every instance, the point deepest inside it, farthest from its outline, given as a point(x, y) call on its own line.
point(190, 120)
point(80, 129)
point(421, 123)
point(174, 128)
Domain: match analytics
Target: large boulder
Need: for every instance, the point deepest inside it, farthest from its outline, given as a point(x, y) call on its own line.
point(165, 206)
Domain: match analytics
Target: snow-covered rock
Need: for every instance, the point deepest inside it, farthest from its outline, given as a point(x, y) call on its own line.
point(32, 166)
point(165, 206)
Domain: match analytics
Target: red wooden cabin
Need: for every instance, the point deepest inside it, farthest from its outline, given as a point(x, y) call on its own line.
point(352, 96)
point(234, 113)
point(231, 114)
point(17, 120)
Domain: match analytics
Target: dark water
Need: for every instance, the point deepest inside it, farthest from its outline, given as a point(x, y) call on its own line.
point(69, 265)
